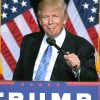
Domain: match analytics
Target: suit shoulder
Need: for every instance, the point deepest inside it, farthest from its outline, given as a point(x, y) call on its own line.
point(33, 36)
point(80, 41)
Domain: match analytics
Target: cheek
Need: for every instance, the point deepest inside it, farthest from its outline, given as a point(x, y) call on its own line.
point(60, 22)
point(44, 24)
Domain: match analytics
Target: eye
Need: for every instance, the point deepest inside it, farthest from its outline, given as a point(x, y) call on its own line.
point(55, 16)
point(44, 17)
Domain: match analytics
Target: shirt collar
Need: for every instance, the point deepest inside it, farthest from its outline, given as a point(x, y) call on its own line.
point(59, 39)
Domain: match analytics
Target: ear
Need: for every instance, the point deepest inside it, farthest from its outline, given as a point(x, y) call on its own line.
point(65, 19)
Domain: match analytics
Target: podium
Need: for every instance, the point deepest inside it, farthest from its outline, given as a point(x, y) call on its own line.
point(11, 90)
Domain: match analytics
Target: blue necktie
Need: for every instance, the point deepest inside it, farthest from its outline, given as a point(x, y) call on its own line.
point(42, 69)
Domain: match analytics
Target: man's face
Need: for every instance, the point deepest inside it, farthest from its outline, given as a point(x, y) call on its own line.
point(52, 21)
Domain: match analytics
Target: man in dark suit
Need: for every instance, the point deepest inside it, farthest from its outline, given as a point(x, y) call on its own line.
point(78, 64)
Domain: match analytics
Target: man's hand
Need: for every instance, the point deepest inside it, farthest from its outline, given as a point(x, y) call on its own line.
point(72, 60)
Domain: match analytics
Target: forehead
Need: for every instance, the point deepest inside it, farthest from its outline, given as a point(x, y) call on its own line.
point(51, 10)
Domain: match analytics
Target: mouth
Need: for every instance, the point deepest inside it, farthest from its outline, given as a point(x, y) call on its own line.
point(50, 27)
point(51, 30)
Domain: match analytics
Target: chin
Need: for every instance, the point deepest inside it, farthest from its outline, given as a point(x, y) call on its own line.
point(53, 35)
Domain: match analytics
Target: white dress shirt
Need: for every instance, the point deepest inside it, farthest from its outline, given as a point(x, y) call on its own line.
point(59, 41)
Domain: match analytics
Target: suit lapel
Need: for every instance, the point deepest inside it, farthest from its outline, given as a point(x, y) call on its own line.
point(60, 64)
point(33, 50)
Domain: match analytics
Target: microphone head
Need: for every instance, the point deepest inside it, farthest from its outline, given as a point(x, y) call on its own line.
point(51, 41)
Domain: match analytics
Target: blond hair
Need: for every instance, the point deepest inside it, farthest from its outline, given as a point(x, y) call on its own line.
point(52, 3)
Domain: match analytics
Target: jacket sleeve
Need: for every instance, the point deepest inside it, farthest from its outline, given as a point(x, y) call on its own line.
point(18, 73)
point(87, 58)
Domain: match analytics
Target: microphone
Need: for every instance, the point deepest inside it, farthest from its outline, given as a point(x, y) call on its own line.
point(52, 42)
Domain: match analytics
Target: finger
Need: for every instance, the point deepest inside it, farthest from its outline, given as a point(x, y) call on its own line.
point(74, 61)
point(71, 55)
point(67, 53)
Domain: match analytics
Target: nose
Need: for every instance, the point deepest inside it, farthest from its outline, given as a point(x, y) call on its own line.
point(50, 21)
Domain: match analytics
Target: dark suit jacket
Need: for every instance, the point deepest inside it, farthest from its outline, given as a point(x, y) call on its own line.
point(62, 72)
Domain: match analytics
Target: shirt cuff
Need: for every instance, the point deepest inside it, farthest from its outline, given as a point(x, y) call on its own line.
point(77, 73)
